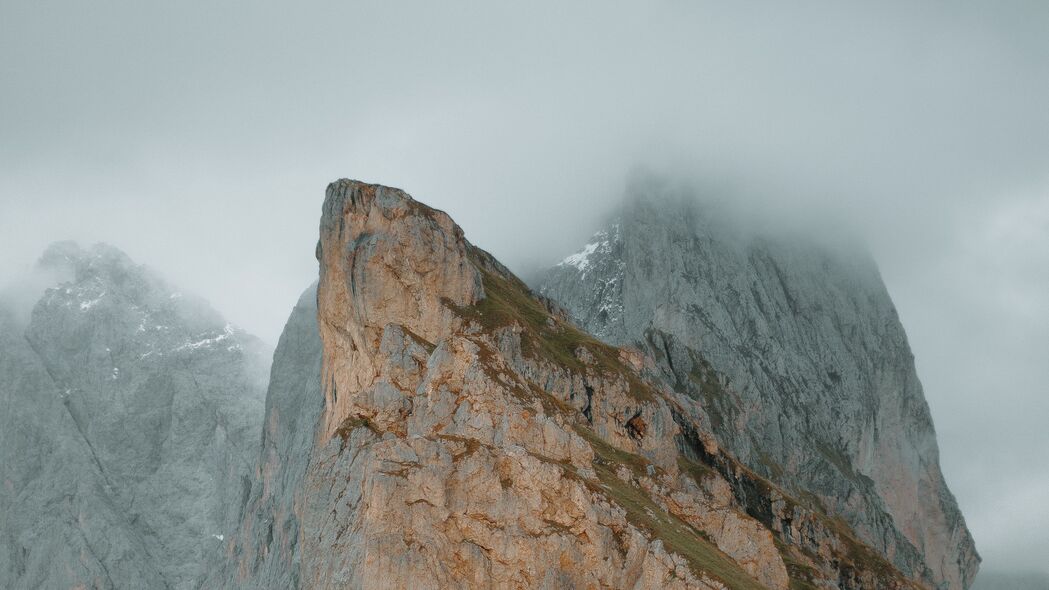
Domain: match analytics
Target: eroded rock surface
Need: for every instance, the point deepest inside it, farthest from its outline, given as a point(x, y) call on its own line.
point(459, 471)
point(465, 434)
point(793, 357)
point(129, 421)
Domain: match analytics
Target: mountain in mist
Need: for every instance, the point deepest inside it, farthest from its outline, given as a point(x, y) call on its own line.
point(129, 426)
point(430, 422)
point(794, 356)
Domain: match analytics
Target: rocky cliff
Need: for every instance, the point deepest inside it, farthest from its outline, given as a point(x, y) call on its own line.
point(265, 549)
point(129, 421)
point(794, 358)
point(431, 423)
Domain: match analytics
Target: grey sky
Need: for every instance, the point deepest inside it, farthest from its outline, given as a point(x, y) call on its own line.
point(199, 136)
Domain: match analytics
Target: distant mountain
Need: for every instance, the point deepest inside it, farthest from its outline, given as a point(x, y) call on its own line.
point(429, 422)
point(130, 415)
point(795, 357)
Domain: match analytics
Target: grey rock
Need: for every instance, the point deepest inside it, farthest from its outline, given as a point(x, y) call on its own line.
point(795, 355)
point(129, 426)
point(446, 465)
point(265, 552)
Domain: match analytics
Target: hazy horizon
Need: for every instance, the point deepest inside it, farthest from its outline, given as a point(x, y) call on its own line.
point(199, 138)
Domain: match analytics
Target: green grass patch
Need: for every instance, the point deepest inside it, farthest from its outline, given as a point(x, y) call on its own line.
point(703, 557)
point(509, 301)
point(801, 575)
point(697, 471)
point(608, 454)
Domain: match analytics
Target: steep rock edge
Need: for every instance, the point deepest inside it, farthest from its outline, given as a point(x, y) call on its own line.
point(129, 418)
point(472, 436)
point(796, 357)
point(264, 551)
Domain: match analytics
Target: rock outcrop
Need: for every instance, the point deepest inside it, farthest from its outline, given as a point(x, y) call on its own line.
point(446, 428)
point(432, 423)
point(265, 551)
point(129, 421)
point(791, 355)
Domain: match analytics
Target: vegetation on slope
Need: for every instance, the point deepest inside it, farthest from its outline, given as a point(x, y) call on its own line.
point(547, 336)
point(509, 301)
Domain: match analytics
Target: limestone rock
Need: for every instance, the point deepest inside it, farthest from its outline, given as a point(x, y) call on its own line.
point(459, 471)
point(437, 425)
point(794, 357)
point(129, 415)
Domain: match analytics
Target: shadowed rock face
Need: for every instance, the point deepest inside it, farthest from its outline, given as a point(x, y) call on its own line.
point(129, 423)
point(438, 426)
point(429, 423)
point(384, 259)
point(796, 358)
point(265, 549)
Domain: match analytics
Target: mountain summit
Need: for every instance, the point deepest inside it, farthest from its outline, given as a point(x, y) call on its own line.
point(795, 358)
point(130, 417)
point(431, 423)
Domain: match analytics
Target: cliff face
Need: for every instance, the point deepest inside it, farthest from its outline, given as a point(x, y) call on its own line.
point(794, 357)
point(130, 417)
point(463, 433)
point(265, 548)
point(431, 423)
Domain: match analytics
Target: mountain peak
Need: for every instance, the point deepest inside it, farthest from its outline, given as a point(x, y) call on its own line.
point(98, 259)
point(471, 436)
point(384, 258)
point(824, 396)
point(133, 411)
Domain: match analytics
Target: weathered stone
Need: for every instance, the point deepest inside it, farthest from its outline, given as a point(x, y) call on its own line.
point(793, 354)
point(454, 451)
point(129, 416)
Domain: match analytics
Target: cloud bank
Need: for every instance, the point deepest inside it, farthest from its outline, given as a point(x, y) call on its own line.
point(199, 137)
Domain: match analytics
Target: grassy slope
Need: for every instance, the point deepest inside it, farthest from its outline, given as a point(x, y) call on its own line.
point(508, 301)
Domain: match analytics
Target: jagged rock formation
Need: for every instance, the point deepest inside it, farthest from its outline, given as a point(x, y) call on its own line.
point(129, 419)
point(445, 428)
point(793, 357)
point(266, 550)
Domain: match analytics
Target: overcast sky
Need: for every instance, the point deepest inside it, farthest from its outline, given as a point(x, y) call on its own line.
point(199, 136)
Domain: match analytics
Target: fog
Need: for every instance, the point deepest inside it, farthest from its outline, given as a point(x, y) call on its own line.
point(199, 137)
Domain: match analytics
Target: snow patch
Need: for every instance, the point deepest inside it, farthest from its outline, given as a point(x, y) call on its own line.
point(581, 259)
point(86, 305)
point(227, 332)
point(601, 243)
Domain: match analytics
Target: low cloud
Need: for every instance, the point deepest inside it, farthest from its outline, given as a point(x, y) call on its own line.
point(199, 136)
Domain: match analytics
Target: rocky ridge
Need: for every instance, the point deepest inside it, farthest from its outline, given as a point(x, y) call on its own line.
point(429, 423)
point(793, 357)
point(130, 418)
point(466, 434)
